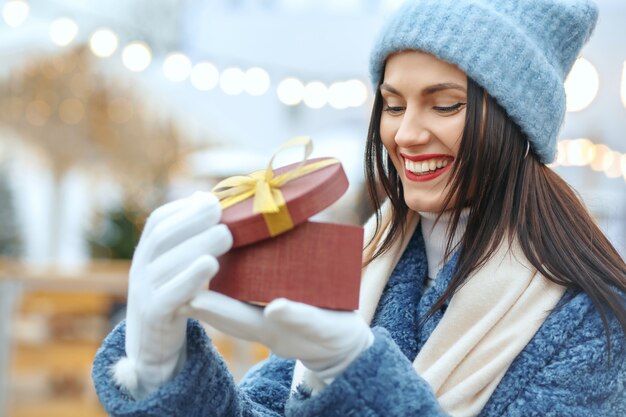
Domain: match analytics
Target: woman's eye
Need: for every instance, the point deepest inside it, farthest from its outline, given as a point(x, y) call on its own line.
point(449, 109)
point(393, 109)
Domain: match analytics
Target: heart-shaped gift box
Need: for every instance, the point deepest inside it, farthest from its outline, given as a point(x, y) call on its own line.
point(277, 252)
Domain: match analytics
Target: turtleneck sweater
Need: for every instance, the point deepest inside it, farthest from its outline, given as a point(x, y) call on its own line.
point(436, 238)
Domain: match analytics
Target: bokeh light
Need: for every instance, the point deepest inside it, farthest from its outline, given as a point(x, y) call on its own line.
point(315, 95)
point(176, 67)
point(257, 81)
point(103, 43)
point(579, 152)
point(600, 150)
point(232, 81)
point(357, 92)
point(598, 156)
point(204, 76)
point(15, 12)
point(581, 85)
point(338, 95)
point(612, 164)
point(560, 153)
point(63, 31)
point(136, 56)
point(290, 91)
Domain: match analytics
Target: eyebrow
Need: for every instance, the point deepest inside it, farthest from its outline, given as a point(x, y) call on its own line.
point(428, 90)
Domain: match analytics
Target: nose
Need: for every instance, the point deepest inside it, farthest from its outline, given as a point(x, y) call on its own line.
point(412, 131)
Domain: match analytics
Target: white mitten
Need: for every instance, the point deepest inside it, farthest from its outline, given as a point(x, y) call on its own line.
point(325, 341)
point(175, 259)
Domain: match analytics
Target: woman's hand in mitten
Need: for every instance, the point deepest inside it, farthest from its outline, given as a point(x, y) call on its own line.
point(175, 259)
point(325, 341)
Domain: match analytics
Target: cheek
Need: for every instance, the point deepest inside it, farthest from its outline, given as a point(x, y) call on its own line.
point(450, 133)
point(387, 132)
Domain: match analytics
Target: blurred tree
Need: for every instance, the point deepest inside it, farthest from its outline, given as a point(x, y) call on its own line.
point(79, 112)
point(116, 234)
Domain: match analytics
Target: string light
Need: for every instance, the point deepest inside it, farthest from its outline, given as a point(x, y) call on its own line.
point(63, 31)
point(560, 154)
point(583, 152)
point(607, 161)
point(15, 12)
point(613, 165)
point(257, 81)
point(338, 95)
point(136, 56)
point(103, 43)
point(177, 67)
point(597, 164)
point(204, 76)
point(232, 81)
point(581, 85)
point(315, 95)
point(579, 152)
point(357, 93)
point(290, 91)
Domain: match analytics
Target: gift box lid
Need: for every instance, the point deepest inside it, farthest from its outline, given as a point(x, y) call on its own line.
point(310, 187)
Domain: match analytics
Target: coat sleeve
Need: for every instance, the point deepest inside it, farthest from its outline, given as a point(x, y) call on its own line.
point(380, 382)
point(203, 388)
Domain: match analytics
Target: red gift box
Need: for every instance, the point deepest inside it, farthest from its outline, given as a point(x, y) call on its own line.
point(315, 263)
point(281, 254)
point(304, 197)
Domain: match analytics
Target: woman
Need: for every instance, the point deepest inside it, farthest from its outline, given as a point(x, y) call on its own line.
point(488, 290)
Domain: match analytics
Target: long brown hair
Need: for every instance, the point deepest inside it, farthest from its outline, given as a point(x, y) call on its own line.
point(509, 195)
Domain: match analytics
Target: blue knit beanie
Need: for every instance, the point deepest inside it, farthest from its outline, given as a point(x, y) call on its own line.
point(520, 51)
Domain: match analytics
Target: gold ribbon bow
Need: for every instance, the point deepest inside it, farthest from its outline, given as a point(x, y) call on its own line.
point(265, 187)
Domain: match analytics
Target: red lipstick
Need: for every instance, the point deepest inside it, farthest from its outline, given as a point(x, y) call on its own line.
point(426, 177)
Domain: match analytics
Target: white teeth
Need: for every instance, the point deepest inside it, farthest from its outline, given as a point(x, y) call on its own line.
point(426, 166)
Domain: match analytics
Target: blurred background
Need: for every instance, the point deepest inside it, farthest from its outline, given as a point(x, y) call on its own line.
point(109, 109)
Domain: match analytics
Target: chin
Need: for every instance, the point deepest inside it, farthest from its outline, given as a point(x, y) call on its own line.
point(422, 203)
point(426, 197)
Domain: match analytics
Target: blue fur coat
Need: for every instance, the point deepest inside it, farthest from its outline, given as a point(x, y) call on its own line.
point(563, 371)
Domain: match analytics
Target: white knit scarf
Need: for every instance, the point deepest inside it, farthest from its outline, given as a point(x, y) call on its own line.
point(488, 322)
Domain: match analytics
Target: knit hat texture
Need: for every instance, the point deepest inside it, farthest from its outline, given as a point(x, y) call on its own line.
point(520, 51)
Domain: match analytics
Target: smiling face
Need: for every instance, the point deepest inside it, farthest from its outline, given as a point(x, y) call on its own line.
point(421, 125)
